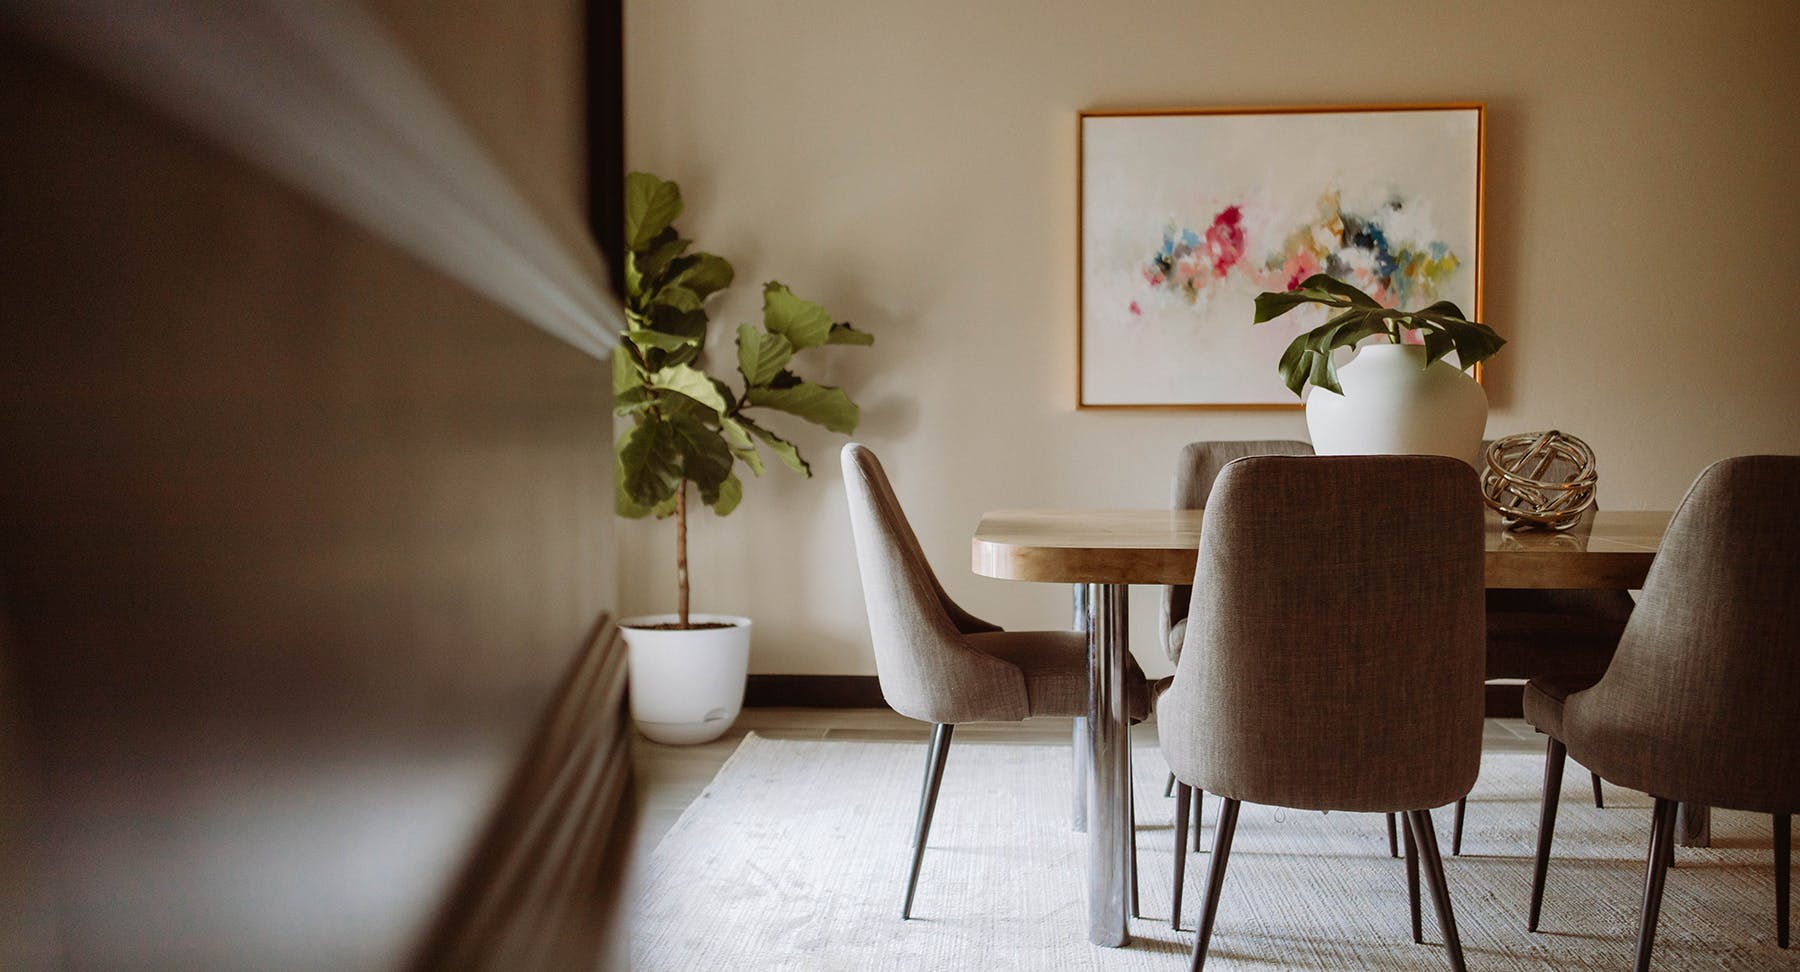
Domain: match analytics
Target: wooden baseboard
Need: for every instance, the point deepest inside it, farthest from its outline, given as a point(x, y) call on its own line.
point(864, 692)
point(814, 691)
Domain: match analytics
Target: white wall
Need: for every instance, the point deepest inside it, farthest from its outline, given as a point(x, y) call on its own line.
point(913, 166)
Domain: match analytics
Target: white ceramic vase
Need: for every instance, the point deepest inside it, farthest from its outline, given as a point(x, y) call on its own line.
point(1393, 405)
point(686, 686)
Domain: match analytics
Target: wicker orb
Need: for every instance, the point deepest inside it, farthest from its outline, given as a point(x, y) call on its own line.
point(1539, 480)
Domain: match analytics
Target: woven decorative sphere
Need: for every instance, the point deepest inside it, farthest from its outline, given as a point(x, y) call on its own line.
point(1539, 480)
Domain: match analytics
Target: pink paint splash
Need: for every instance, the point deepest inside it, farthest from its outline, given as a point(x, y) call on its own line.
point(1136, 311)
point(1225, 240)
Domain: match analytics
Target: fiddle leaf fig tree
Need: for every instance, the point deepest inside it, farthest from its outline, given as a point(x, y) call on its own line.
point(688, 427)
point(1308, 359)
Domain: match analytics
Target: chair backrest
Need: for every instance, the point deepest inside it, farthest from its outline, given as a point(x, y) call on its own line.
point(1195, 469)
point(1334, 644)
point(927, 671)
point(1702, 701)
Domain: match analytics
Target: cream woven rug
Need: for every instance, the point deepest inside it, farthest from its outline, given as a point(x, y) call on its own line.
point(795, 858)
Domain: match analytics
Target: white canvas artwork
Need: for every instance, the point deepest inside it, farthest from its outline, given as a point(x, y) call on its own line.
point(1187, 216)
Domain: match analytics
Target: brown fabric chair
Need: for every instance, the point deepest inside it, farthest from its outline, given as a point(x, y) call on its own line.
point(940, 664)
point(1702, 701)
point(1333, 658)
point(1196, 467)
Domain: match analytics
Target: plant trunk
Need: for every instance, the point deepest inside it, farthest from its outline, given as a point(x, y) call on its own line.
point(681, 566)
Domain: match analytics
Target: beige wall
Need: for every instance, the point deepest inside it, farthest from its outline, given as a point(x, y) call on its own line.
point(913, 165)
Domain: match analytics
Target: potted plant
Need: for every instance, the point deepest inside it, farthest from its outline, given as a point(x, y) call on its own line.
point(689, 431)
point(1398, 395)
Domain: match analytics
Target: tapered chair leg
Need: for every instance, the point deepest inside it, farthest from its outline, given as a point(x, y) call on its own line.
point(1419, 823)
point(1412, 886)
point(1215, 879)
point(934, 774)
point(1662, 834)
point(1183, 801)
point(1462, 807)
point(1169, 787)
point(1554, 755)
point(1599, 798)
point(1783, 848)
point(1393, 841)
point(1199, 802)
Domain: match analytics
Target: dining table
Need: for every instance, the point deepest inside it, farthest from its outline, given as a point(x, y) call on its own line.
point(1103, 552)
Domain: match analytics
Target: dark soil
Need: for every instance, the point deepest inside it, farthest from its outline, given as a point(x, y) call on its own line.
point(674, 626)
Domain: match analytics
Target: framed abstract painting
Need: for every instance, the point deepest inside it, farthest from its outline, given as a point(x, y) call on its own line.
point(1186, 215)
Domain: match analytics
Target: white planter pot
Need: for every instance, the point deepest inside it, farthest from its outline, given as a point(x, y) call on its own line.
point(1393, 405)
point(686, 686)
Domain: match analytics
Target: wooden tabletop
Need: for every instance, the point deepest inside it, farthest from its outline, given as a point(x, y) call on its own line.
point(1611, 549)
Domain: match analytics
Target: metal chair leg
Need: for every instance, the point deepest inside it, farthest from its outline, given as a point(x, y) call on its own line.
point(1419, 822)
point(1169, 787)
point(1215, 879)
point(1554, 755)
point(1393, 842)
point(1199, 803)
point(1412, 887)
point(934, 774)
point(1183, 800)
point(1783, 848)
point(1662, 834)
point(1462, 806)
point(1599, 798)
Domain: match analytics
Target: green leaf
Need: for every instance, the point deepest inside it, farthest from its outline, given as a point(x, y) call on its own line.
point(790, 456)
point(631, 401)
point(705, 458)
point(1324, 373)
point(741, 444)
point(689, 381)
point(646, 338)
point(818, 404)
point(1324, 283)
point(678, 298)
point(705, 276)
point(671, 320)
point(761, 354)
point(843, 333)
point(1441, 309)
point(650, 206)
point(656, 255)
point(627, 370)
point(649, 462)
point(804, 323)
point(1437, 344)
point(1317, 289)
point(726, 497)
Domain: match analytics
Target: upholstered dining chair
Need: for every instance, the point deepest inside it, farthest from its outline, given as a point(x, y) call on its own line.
point(1196, 466)
point(1333, 654)
point(1702, 701)
point(940, 664)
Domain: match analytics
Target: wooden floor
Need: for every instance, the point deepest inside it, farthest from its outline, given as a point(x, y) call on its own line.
point(670, 777)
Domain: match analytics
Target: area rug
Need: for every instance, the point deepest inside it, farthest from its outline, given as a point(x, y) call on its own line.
point(795, 858)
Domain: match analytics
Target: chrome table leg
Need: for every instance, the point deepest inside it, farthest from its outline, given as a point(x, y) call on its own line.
point(1109, 840)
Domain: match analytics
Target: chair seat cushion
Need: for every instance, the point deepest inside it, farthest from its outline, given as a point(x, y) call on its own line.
point(1056, 671)
point(1546, 695)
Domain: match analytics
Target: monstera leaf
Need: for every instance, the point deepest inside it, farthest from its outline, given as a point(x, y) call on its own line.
point(1308, 359)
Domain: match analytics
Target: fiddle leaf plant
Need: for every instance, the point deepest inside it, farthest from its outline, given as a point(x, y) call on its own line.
point(1307, 360)
point(688, 427)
